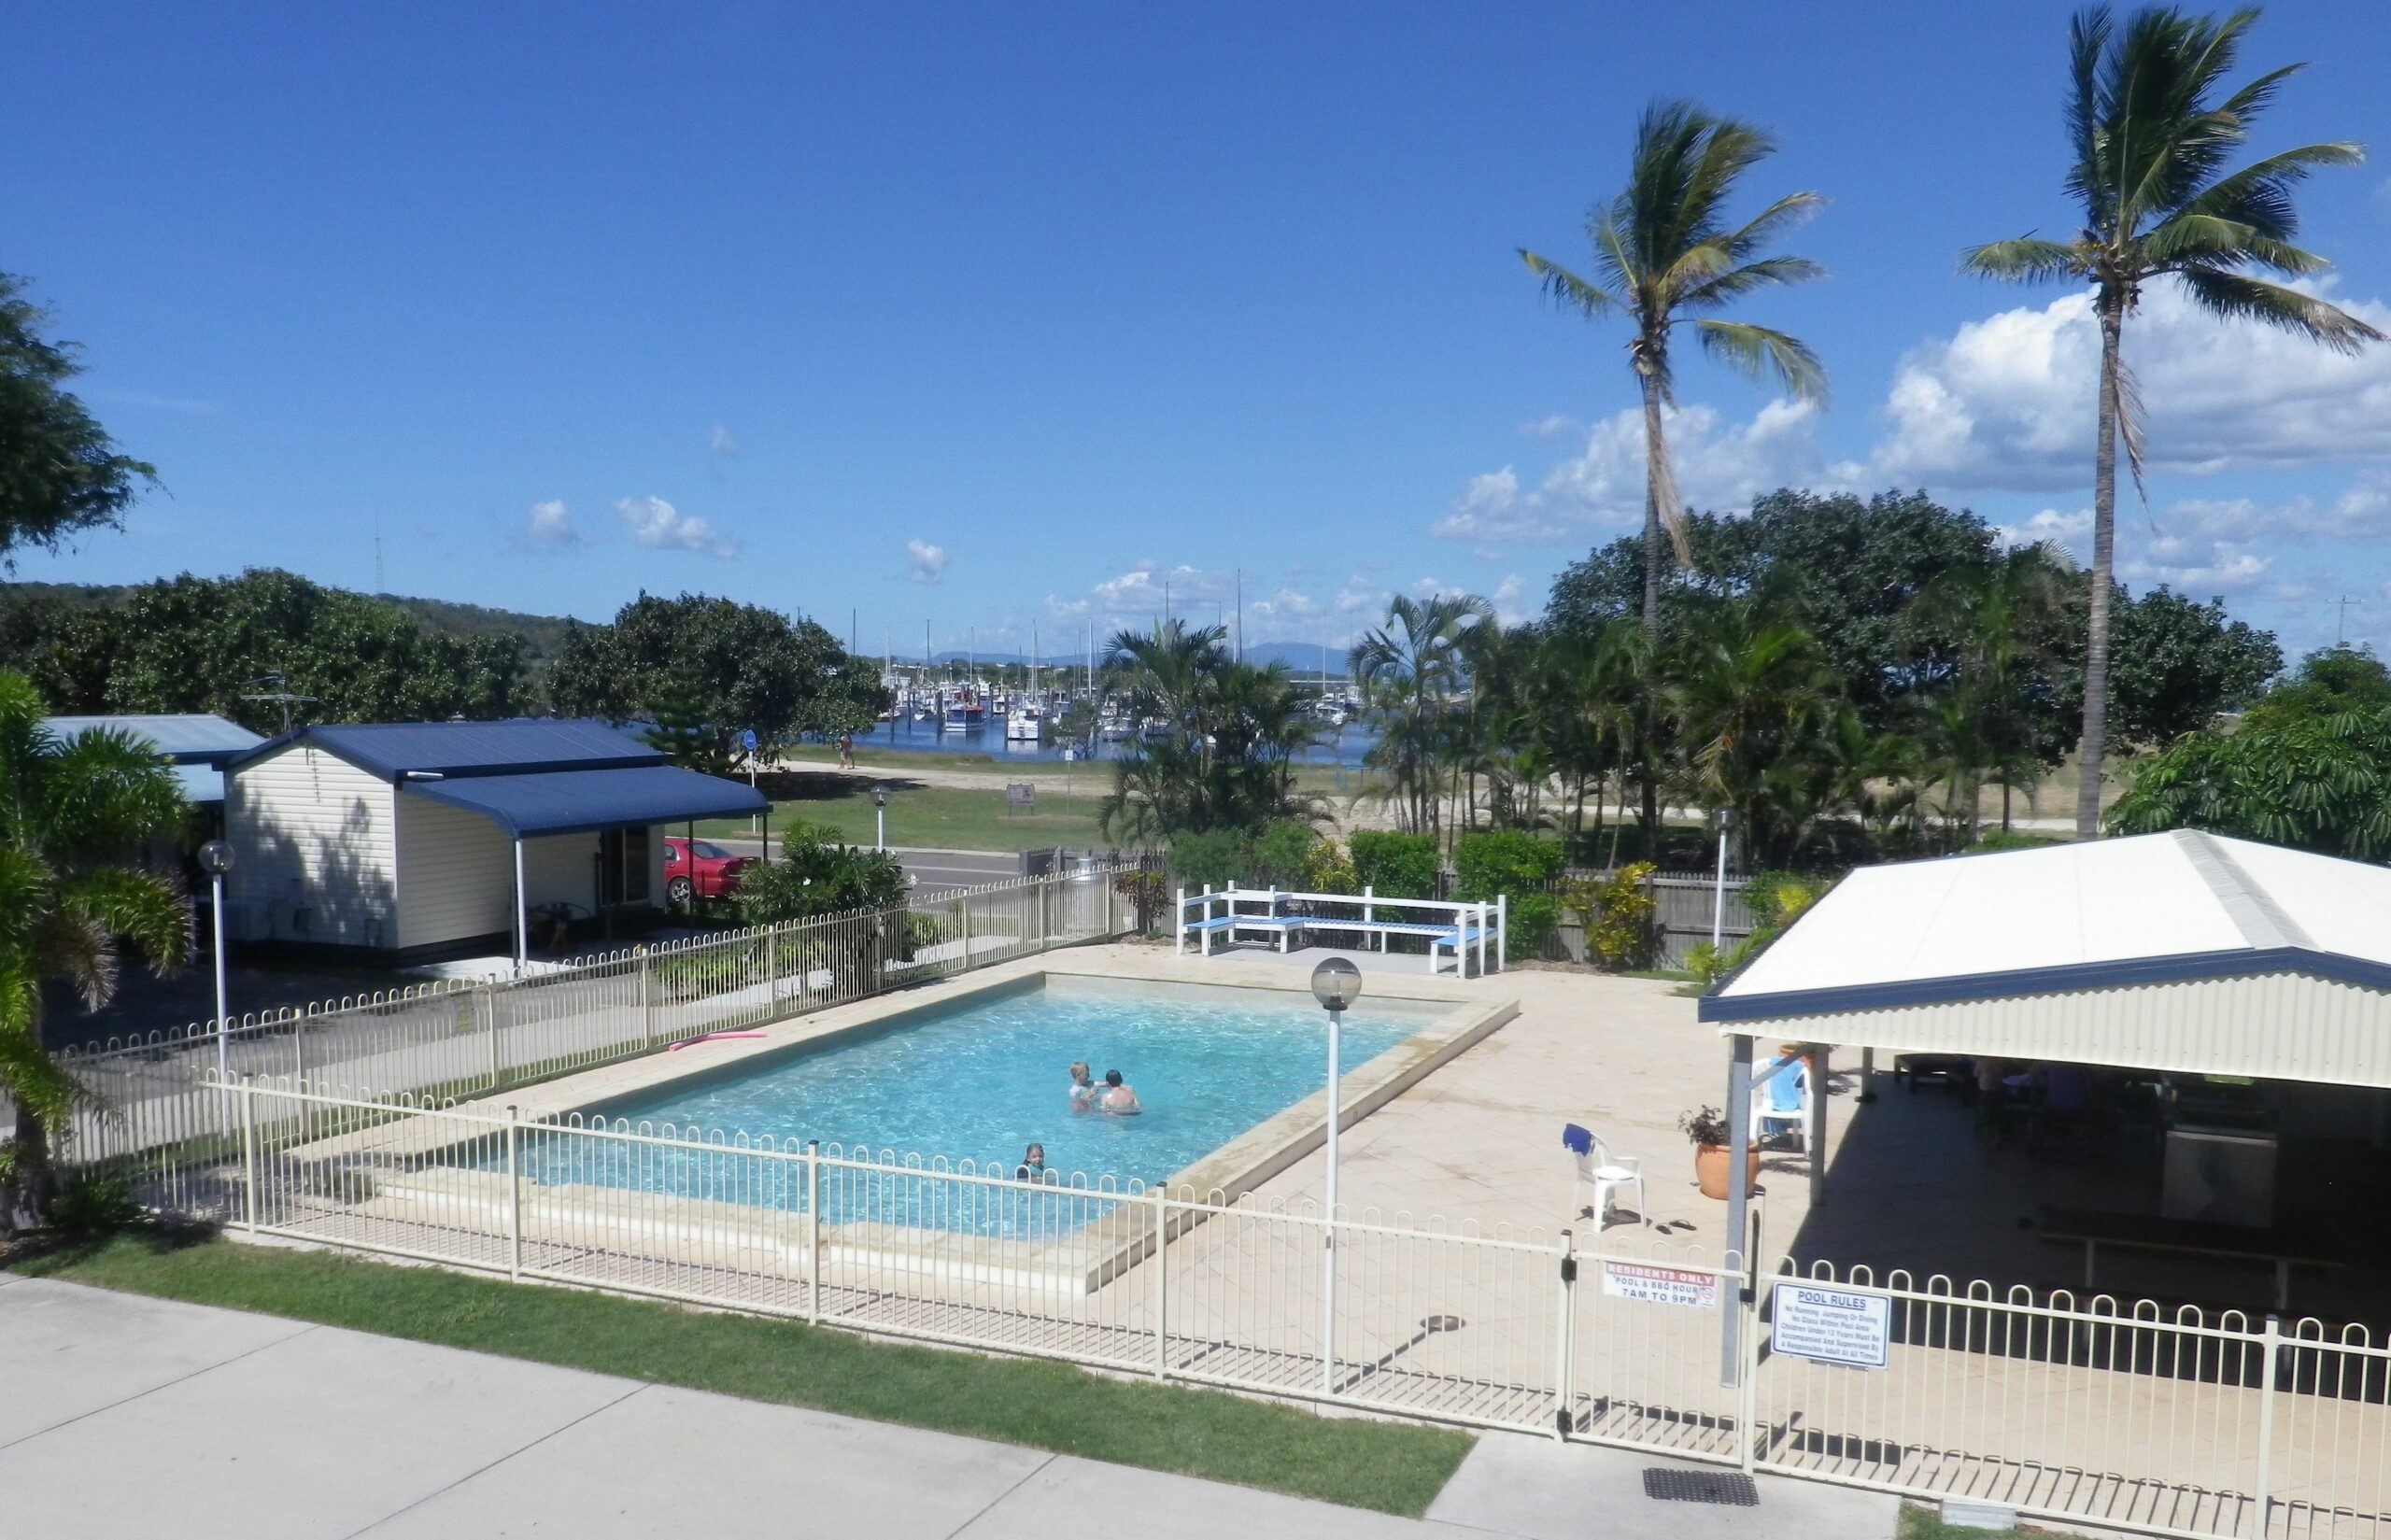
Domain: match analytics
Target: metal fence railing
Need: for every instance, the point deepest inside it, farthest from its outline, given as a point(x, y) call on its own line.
point(2087, 1411)
point(465, 1037)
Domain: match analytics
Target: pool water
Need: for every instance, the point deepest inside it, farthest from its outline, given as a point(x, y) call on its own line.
point(983, 1079)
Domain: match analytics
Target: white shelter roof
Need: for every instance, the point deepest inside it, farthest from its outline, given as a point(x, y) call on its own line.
point(2180, 949)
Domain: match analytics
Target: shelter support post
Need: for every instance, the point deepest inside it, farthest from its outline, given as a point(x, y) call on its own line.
point(522, 912)
point(1739, 1188)
point(1815, 1136)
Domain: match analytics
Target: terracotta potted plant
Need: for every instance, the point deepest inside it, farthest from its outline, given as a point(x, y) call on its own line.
point(1710, 1136)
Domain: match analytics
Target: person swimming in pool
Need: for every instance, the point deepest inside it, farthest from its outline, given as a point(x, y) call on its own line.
point(1119, 1100)
point(1033, 1165)
point(1082, 1087)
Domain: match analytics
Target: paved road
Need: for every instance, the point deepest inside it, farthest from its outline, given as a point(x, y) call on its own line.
point(136, 1417)
point(939, 869)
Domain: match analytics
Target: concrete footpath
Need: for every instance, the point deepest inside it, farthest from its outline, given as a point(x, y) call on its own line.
point(129, 1417)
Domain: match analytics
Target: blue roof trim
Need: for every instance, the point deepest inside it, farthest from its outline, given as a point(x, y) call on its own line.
point(395, 750)
point(575, 801)
point(2182, 968)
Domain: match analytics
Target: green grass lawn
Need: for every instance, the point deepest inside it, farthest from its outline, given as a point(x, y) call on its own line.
point(1918, 1522)
point(1391, 1467)
point(945, 817)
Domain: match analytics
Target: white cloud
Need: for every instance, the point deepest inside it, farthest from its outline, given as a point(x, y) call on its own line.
point(924, 562)
point(2223, 567)
point(2008, 401)
point(1559, 425)
point(552, 528)
point(1720, 465)
point(1506, 600)
point(720, 441)
point(659, 526)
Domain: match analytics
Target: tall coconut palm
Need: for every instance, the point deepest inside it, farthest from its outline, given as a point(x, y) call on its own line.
point(1411, 668)
point(70, 810)
point(1665, 255)
point(2150, 143)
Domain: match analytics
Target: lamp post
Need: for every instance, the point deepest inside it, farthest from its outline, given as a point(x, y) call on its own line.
point(1719, 889)
point(1336, 984)
point(216, 859)
point(880, 815)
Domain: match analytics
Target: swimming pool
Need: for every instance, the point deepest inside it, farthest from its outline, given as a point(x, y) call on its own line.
point(980, 1078)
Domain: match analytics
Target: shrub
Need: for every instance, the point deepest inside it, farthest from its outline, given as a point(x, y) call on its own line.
point(1509, 864)
point(1617, 913)
point(817, 876)
point(94, 1207)
point(1327, 868)
point(1274, 857)
point(1398, 866)
point(1778, 898)
point(1704, 1126)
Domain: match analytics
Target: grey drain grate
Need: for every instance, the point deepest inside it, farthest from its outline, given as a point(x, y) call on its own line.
point(1726, 1489)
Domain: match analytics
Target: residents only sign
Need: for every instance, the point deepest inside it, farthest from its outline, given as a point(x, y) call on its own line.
point(1661, 1285)
point(1832, 1325)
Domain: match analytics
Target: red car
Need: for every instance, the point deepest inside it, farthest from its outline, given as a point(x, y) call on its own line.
point(712, 873)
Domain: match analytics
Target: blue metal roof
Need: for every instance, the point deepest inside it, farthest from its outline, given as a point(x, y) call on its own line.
point(572, 802)
point(395, 750)
point(185, 739)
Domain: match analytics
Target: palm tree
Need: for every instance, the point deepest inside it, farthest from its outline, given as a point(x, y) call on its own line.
point(2150, 149)
point(1756, 707)
point(1664, 255)
point(70, 810)
point(1999, 620)
point(1411, 668)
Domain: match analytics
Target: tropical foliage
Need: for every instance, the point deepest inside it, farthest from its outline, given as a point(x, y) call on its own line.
point(72, 813)
point(1222, 744)
point(817, 874)
point(59, 473)
point(2321, 784)
point(2152, 130)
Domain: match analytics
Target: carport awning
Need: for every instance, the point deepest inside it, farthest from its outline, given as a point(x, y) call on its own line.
point(575, 801)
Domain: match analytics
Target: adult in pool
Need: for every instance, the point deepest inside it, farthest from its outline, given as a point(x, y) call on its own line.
point(1119, 1100)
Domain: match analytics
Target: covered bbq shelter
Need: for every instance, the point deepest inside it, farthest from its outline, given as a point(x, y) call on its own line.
point(2241, 990)
point(427, 839)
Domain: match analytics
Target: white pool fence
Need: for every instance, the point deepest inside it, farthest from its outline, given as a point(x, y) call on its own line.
point(2090, 1409)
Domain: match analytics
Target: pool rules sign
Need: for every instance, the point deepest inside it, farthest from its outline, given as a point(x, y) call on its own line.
point(1832, 1325)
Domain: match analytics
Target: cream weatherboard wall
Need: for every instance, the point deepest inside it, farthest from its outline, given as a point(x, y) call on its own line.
point(457, 874)
point(315, 852)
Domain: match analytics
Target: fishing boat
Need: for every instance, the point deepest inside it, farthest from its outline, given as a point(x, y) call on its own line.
point(1024, 723)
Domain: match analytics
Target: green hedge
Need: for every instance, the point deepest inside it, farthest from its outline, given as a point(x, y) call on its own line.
point(1397, 866)
point(1509, 864)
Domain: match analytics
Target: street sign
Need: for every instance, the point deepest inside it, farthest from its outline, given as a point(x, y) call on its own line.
point(1661, 1285)
point(1021, 796)
point(1832, 1325)
point(747, 740)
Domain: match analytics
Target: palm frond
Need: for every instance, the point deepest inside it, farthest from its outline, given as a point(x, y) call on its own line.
point(2260, 194)
point(1760, 349)
point(1737, 282)
point(145, 908)
point(2237, 296)
point(2024, 260)
point(1566, 288)
point(1771, 222)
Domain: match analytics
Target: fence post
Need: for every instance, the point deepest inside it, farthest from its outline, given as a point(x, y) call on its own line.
point(647, 1001)
point(1565, 1366)
point(773, 971)
point(1502, 933)
point(2261, 1500)
point(249, 1152)
point(1179, 925)
point(488, 999)
point(963, 923)
point(814, 1231)
point(1161, 1283)
point(1747, 1394)
point(514, 1194)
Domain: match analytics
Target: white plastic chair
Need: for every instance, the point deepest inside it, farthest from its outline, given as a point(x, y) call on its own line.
point(1609, 1174)
point(1768, 1119)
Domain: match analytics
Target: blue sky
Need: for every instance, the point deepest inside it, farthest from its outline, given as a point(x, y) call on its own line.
point(1003, 316)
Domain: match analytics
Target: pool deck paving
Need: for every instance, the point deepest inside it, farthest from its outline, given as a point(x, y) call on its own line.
point(137, 1417)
